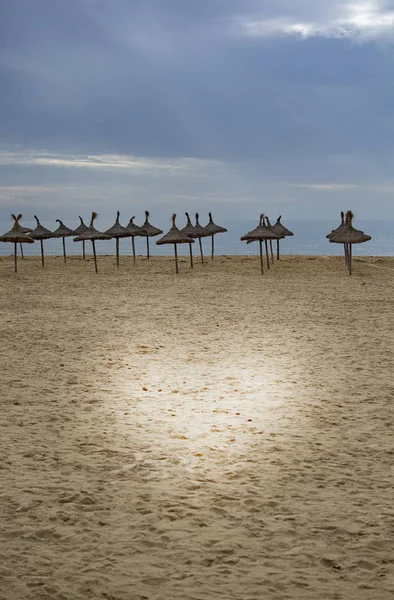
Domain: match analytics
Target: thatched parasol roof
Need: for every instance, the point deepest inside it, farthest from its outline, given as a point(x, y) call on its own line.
point(188, 229)
point(212, 228)
point(347, 234)
point(174, 236)
point(117, 230)
point(198, 230)
point(261, 232)
point(25, 229)
point(62, 230)
point(40, 232)
point(91, 233)
point(340, 227)
point(254, 234)
point(279, 228)
point(150, 230)
point(268, 225)
point(134, 229)
point(81, 227)
point(16, 234)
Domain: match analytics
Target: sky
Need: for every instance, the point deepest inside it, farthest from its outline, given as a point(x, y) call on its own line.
point(233, 106)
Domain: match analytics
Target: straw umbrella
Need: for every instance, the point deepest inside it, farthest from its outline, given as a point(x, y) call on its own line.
point(265, 233)
point(269, 226)
point(117, 232)
point(23, 230)
point(62, 232)
point(41, 233)
point(348, 235)
point(212, 230)
point(283, 231)
point(16, 236)
point(149, 231)
point(257, 234)
point(134, 231)
point(188, 230)
point(340, 228)
point(93, 235)
point(174, 236)
point(199, 232)
point(81, 229)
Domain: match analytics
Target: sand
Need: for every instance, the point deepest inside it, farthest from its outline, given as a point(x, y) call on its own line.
point(216, 435)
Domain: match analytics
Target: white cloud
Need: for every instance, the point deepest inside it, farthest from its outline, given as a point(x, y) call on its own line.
point(363, 20)
point(106, 162)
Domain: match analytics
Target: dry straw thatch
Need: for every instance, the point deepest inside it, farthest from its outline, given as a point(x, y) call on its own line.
point(348, 236)
point(62, 232)
point(117, 231)
point(283, 231)
point(41, 233)
point(93, 235)
point(212, 229)
point(134, 231)
point(175, 237)
point(16, 236)
point(80, 229)
point(149, 231)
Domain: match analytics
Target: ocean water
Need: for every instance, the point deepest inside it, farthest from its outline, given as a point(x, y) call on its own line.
point(309, 239)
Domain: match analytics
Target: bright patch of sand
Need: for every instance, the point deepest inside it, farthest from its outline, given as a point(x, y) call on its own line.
point(216, 435)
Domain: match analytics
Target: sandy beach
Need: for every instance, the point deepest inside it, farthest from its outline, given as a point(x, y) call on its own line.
point(213, 435)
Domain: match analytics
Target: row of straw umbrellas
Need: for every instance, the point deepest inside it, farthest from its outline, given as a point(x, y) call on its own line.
point(19, 235)
point(344, 234)
point(187, 235)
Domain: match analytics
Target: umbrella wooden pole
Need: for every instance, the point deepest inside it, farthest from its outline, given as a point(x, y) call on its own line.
point(261, 256)
point(21, 247)
point(213, 247)
point(176, 258)
point(350, 259)
point(64, 250)
point(267, 253)
point(147, 248)
point(133, 246)
point(272, 253)
point(191, 255)
point(277, 250)
point(83, 250)
point(201, 252)
point(16, 257)
point(42, 253)
point(117, 251)
point(95, 257)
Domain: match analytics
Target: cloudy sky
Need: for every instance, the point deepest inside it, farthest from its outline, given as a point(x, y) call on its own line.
point(234, 106)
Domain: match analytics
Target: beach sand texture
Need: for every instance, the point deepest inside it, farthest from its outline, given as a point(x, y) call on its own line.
point(213, 435)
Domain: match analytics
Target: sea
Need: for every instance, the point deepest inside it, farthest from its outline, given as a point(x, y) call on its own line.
point(309, 239)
